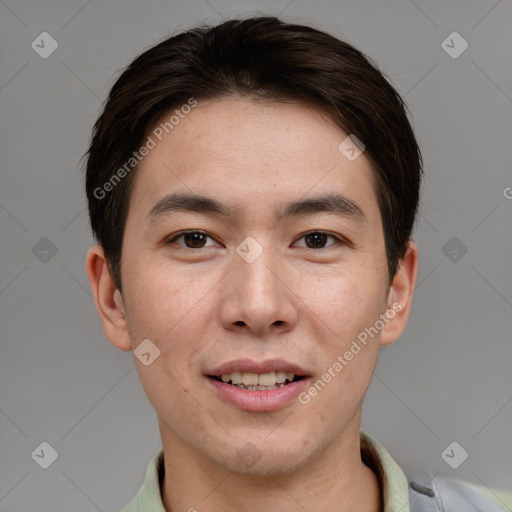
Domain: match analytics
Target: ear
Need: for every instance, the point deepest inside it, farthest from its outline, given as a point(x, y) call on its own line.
point(108, 299)
point(400, 295)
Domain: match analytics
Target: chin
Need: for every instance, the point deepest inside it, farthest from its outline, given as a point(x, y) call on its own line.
point(262, 459)
point(269, 466)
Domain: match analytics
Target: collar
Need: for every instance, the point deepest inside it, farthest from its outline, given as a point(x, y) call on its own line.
point(392, 480)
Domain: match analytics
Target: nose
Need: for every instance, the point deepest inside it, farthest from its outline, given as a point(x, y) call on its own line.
point(258, 296)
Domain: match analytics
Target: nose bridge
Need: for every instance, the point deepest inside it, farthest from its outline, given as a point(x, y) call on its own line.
point(258, 270)
point(258, 295)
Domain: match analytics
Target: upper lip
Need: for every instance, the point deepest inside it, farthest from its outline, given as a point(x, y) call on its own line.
point(252, 366)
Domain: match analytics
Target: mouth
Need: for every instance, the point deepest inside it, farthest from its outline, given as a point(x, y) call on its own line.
point(258, 386)
point(258, 381)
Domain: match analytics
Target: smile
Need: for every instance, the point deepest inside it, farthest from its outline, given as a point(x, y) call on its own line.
point(258, 381)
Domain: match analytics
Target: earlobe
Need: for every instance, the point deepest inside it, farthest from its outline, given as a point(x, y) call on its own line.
point(400, 295)
point(108, 299)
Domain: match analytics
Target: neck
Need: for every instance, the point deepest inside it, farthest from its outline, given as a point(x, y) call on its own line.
point(336, 479)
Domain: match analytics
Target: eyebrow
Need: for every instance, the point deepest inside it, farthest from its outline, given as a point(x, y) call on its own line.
point(337, 204)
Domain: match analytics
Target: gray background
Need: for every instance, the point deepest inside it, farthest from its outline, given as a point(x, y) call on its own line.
point(448, 378)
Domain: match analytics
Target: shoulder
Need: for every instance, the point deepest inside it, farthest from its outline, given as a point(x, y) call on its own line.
point(443, 494)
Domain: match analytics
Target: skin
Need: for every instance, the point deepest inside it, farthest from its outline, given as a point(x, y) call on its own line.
point(205, 306)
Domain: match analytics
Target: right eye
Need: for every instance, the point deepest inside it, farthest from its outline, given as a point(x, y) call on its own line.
point(192, 239)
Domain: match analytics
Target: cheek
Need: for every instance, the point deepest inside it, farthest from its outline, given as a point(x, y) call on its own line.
point(160, 300)
point(347, 311)
point(346, 305)
point(340, 389)
point(161, 308)
point(168, 307)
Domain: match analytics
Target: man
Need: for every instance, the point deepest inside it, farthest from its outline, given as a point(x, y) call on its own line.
point(253, 189)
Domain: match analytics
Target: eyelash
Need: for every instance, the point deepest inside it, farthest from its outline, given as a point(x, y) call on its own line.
point(181, 233)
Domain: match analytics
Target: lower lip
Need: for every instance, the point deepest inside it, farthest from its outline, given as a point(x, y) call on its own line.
point(253, 400)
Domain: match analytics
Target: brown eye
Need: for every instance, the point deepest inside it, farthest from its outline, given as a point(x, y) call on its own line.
point(317, 239)
point(192, 239)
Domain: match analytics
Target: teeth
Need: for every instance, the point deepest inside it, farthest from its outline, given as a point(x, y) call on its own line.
point(250, 379)
point(280, 377)
point(268, 380)
point(259, 388)
point(236, 378)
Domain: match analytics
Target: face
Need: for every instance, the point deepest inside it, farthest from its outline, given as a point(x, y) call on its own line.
point(252, 290)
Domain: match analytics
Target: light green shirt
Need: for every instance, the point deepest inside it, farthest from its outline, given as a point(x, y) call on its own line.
point(392, 480)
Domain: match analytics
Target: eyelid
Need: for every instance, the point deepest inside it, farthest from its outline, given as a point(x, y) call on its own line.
point(339, 238)
point(177, 235)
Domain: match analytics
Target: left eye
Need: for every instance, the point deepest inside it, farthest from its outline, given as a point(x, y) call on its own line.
point(195, 239)
point(318, 238)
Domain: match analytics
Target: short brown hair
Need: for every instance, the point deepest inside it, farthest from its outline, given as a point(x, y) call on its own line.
point(266, 58)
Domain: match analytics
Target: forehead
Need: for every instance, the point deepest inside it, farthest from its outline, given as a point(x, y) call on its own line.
point(251, 153)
